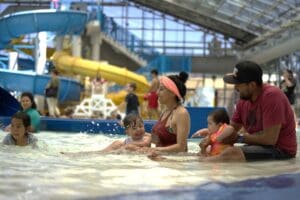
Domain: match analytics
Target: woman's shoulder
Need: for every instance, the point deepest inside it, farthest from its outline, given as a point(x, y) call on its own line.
point(33, 112)
point(181, 110)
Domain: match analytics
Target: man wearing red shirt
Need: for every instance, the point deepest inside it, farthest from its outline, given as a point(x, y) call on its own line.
point(264, 112)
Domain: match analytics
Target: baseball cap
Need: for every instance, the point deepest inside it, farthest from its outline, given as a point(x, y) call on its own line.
point(244, 72)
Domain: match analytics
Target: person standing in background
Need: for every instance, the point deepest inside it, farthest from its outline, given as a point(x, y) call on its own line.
point(131, 100)
point(52, 94)
point(288, 85)
point(152, 96)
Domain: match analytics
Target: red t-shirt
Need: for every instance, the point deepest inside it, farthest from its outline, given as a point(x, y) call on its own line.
point(270, 108)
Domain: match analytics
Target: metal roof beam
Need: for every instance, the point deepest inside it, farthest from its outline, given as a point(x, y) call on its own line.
point(198, 16)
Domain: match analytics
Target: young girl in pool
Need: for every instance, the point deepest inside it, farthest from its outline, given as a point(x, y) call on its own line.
point(20, 124)
point(217, 120)
point(138, 138)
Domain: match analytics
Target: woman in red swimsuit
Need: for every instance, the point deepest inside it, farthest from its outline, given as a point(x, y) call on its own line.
point(171, 131)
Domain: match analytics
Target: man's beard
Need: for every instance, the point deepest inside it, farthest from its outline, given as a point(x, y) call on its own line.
point(245, 97)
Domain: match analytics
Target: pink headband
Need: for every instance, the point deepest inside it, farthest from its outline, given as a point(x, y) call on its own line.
point(170, 85)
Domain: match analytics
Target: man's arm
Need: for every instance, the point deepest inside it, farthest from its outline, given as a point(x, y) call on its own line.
point(268, 136)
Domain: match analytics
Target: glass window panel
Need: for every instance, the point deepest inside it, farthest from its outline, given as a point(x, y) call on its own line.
point(148, 23)
point(115, 11)
point(170, 24)
point(134, 12)
point(134, 23)
point(158, 35)
point(193, 36)
point(158, 24)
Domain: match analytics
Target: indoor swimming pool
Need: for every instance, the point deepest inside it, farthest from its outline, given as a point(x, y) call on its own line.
point(45, 173)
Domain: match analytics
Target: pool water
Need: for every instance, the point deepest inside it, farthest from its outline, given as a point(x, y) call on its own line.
point(44, 173)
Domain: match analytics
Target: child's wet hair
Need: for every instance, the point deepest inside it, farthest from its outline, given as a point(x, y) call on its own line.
point(131, 120)
point(22, 116)
point(219, 116)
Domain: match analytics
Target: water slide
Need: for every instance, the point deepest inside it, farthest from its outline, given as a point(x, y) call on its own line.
point(21, 23)
point(18, 24)
point(74, 65)
point(8, 104)
point(31, 82)
point(62, 23)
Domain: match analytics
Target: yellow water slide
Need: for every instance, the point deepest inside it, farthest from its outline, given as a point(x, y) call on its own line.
point(76, 65)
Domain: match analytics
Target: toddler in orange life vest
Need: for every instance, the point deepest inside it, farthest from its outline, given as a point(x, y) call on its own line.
point(217, 120)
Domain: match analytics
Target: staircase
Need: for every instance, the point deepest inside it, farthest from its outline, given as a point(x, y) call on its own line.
point(122, 49)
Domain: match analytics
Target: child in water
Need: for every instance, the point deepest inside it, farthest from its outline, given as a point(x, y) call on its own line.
point(20, 124)
point(138, 138)
point(217, 120)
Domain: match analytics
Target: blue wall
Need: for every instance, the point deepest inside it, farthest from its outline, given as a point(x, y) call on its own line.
point(198, 120)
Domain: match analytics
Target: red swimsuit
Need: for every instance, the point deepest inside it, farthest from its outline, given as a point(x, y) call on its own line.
point(166, 137)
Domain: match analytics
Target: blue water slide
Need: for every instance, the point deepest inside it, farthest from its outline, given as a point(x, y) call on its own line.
point(21, 23)
point(8, 104)
point(31, 82)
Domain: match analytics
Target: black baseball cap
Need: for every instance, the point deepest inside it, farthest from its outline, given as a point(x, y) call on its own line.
point(244, 72)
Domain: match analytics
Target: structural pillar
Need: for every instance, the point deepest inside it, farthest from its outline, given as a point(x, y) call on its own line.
point(59, 43)
point(95, 40)
point(76, 45)
point(93, 30)
point(40, 52)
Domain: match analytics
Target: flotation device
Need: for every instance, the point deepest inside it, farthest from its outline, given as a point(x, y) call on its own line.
point(217, 147)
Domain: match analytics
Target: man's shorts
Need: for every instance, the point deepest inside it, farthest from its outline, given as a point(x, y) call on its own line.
point(152, 100)
point(264, 152)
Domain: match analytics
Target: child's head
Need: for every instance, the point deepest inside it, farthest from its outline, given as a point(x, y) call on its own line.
point(134, 126)
point(27, 101)
point(154, 73)
point(54, 72)
point(288, 73)
point(217, 118)
point(131, 87)
point(20, 122)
